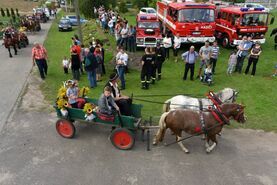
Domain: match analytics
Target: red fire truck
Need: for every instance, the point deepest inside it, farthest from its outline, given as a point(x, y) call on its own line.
point(234, 22)
point(148, 32)
point(193, 22)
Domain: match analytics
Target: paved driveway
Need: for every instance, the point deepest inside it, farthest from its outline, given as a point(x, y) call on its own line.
point(32, 153)
point(14, 72)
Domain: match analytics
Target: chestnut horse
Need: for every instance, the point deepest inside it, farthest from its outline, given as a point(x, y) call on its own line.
point(193, 122)
point(11, 39)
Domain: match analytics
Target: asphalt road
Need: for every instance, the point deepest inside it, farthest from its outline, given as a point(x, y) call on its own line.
point(14, 72)
point(32, 153)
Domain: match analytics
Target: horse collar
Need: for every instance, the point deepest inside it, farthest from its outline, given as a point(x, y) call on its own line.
point(219, 115)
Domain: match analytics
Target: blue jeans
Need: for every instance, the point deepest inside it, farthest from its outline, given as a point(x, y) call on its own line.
point(42, 67)
point(92, 78)
point(121, 72)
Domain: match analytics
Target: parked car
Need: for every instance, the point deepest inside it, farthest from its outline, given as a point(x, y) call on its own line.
point(62, 3)
point(146, 10)
point(65, 25)
point(255, 5)
point(73, 20)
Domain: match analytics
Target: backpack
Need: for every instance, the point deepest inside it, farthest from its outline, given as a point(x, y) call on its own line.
point(87, 62)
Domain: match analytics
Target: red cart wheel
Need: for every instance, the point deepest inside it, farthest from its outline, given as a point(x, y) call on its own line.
point(65, 128)
point(122, 138)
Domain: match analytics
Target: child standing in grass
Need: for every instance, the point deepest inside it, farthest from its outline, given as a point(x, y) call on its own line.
point(65, 64)
point(232, 62)
point(275, 73)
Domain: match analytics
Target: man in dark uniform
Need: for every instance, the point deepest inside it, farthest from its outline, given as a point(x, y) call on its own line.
point(123, 102)
point(159, 58)
point(153, 66)
point(147, 61)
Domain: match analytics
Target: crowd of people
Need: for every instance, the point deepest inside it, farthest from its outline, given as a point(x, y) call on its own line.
point(91, 60)
point(125, 34)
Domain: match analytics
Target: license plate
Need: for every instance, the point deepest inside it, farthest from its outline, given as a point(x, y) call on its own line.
point(196, 33)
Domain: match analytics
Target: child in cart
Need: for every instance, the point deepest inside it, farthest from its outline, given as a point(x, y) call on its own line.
point(106, 103)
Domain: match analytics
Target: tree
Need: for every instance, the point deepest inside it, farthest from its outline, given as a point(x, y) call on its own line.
point(122, 7)
point(141, 3)
point(17, 13)
point(87, 6)
point(8, 12)
point(3, 12)
point(12, 12)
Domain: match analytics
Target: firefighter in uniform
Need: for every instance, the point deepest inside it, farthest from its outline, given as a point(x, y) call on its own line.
point(153, 66)
point(159, 60)
point(147, 61)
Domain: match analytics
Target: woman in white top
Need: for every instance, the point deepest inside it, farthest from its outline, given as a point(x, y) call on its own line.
point(167, 42)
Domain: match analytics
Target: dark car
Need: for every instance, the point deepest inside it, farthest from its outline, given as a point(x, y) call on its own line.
point(65, 25)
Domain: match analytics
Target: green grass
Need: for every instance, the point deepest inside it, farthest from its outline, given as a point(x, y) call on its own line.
point(259, 93)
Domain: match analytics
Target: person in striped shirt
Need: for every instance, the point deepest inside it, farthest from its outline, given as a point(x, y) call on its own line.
point(214, 56)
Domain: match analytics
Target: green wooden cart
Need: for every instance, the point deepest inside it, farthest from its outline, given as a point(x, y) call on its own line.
point(122, 137)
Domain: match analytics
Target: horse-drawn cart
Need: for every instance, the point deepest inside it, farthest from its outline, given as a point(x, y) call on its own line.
point(125, 127)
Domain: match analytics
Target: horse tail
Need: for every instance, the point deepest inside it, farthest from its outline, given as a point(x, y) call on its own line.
point(162, 122)
point(166, 105)
point(162, 128)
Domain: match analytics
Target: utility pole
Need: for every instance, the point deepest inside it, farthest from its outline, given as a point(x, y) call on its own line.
point(76, 3)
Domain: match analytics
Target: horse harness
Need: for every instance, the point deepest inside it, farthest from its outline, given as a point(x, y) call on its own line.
point(215, 110)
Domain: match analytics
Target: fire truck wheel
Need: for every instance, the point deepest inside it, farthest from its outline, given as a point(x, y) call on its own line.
point(225, 42)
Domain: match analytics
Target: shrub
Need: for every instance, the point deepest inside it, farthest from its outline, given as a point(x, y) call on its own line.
point(17, 13)
point(8, 12)
point(3, 12)
point(12, 12)
point(122, 7)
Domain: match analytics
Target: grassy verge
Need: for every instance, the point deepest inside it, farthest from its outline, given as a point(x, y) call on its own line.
point(258, 93)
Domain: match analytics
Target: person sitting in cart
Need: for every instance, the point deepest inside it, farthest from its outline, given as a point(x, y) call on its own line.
point(106, 103)
point(123, 102)
point(72, 93)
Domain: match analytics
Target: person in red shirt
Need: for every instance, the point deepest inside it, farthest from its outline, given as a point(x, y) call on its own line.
point(39, 56)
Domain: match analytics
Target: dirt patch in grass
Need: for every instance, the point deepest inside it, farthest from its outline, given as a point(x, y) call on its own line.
point(21, 5)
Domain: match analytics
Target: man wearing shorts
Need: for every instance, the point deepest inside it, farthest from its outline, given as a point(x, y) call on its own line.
point(205, 53)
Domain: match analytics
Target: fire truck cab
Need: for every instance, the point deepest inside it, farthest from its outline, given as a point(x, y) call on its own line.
point(148, 32)
point(234, 22)
point(193, 22)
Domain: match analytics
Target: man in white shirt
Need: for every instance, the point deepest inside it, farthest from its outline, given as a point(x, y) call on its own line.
point(124, 36)
point(121, 64)
point(176, 46)
point(167, 42)
point(111, 26)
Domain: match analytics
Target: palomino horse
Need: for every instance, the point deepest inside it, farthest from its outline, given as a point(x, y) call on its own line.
point(226, 95)
point(11, 40)
point(195, 122)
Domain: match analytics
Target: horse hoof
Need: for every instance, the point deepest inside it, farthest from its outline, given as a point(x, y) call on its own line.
point(208, 151)
point(11, 56)
point(187, 152)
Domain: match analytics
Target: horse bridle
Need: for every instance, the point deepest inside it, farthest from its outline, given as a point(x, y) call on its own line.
point(239, 114)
